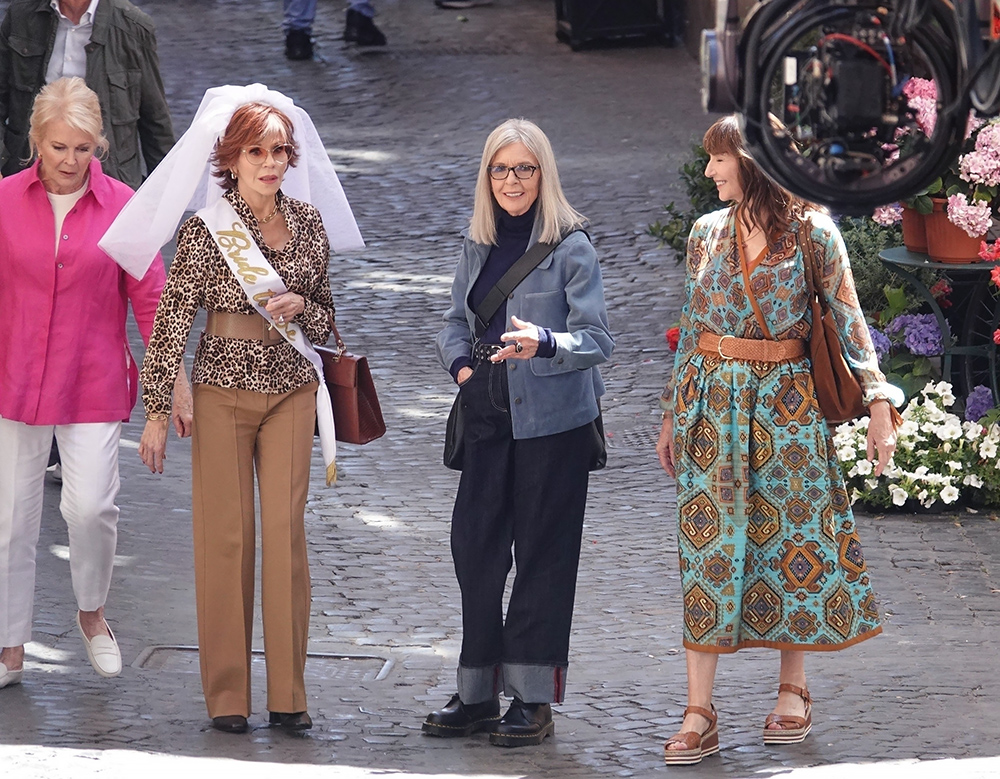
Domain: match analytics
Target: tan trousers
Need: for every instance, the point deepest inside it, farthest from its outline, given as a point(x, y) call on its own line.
point(234, 431)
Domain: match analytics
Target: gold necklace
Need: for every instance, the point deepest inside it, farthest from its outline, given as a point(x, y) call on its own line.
point(270, 216)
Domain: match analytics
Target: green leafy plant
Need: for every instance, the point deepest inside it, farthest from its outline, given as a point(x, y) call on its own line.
point(703, 198)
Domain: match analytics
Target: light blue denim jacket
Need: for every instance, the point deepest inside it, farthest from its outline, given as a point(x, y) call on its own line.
point(564, 293)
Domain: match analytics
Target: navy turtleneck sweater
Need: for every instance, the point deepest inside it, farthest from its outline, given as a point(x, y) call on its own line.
point(513, 234)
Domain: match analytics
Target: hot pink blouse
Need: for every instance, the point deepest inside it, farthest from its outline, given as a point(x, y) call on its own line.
point(64, 353)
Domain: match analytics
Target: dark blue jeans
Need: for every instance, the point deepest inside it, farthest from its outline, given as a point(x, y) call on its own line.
point(524, 501)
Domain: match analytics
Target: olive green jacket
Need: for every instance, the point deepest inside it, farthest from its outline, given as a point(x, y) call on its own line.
point(122, 68)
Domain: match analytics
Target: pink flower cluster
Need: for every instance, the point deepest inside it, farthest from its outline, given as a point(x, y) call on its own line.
point(921, 96)
point(888, 215)
point(982, 166)
point(975, 218)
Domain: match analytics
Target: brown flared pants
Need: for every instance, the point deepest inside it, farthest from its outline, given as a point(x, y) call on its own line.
point(236, 431)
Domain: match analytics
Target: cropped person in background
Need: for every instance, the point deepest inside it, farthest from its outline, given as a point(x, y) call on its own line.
point(110, 44)
point(299, 16)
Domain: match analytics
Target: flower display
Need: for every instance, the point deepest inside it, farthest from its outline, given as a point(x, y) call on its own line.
point(880, 341)
point(938, 459)
point(979, 401)
point(971, 184)
point(888, 215)
point(920, 333)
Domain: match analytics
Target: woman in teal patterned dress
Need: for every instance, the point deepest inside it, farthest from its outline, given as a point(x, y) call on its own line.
point(769, 552)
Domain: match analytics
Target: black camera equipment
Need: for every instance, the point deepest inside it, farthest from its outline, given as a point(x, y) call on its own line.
point(820, 84)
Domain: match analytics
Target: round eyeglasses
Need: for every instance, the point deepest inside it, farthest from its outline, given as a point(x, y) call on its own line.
point(257, 155)
point(500, 172)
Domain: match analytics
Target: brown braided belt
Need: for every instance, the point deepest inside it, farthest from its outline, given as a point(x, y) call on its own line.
point(245, 327)
point(729, 347)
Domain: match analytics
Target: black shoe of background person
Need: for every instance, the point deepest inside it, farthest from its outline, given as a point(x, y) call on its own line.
point(524, 724)
point(298, 45)
point(457, 719)
point(298, 720)
point(232, 723)
point(361, 30)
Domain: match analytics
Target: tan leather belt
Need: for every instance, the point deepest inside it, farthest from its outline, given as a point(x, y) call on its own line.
point(729, 347)
point(245, 327)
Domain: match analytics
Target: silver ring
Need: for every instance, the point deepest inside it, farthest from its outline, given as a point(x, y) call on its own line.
point(518, 347)
point(281, 319)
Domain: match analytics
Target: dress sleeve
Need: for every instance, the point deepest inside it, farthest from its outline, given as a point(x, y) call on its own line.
point(688, 340)
point(842, 298)
point(180, 301)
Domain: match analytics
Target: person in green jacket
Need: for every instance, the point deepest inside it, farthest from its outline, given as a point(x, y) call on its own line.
point(109, 43)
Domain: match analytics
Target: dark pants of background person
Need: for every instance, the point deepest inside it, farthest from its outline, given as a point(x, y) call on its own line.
point(530, 494)
point(235, 433)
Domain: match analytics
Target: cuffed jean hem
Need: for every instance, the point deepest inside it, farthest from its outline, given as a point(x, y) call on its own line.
point(527, 682)
point(534, 683)
point(477, 684)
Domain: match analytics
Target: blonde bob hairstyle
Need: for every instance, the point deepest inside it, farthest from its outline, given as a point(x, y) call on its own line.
point(555, 215)
point(67, 100)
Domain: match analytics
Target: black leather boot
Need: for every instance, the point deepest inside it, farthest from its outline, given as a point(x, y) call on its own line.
point(524, 724)
point(296, 720)
point(298, 45)
point(458, 719)
point(360, 29)
point(231, 723)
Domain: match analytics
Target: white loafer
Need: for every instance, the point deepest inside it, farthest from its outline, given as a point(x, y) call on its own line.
point(9, 677)
point(102, 652)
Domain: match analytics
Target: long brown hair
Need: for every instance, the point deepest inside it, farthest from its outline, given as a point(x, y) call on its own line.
point(764, 203)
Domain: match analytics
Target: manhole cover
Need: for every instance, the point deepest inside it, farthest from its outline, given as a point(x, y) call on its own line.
point(320, 666)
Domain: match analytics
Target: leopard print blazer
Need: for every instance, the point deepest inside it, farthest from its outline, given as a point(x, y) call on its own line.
point(200, 278)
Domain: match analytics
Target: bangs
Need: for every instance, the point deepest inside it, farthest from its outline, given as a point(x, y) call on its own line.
point(724, 137)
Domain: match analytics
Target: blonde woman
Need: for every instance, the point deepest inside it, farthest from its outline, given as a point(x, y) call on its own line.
point(529, 387)
point(65, 365)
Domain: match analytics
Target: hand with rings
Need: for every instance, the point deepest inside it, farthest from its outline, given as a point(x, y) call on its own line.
point(521, 343)
point(285, 307)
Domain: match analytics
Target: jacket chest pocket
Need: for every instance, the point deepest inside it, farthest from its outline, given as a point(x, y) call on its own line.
point(27, 59)
point(124, 92)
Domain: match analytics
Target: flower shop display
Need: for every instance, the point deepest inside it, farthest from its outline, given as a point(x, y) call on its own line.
point(958, 208)
point(940, 459)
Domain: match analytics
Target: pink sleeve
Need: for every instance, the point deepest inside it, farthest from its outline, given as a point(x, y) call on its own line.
point(144, 296)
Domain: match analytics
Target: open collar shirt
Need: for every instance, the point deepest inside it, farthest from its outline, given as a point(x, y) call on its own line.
point(69, 53)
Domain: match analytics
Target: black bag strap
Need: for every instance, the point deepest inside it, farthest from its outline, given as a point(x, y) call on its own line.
point(517, 273)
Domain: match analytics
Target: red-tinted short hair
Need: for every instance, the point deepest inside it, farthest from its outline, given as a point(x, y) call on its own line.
point(250, 125)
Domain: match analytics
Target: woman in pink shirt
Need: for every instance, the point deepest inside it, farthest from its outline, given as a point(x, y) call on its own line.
point(65, 365)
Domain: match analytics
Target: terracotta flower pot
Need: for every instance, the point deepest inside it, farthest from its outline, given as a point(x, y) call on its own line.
point(914, 233)
point(947, 242)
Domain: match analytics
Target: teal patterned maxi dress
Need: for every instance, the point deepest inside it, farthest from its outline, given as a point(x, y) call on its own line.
point(769, 552)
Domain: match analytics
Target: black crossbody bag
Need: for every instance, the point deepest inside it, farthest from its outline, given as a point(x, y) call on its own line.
point(454, 439)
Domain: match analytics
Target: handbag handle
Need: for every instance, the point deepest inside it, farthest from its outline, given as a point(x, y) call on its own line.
point(341, 347)
point(809, 254)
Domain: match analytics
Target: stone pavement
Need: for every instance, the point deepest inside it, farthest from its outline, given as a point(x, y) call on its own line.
point(405, 126)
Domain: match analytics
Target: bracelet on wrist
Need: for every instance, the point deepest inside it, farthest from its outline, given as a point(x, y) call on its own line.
point(157, 416)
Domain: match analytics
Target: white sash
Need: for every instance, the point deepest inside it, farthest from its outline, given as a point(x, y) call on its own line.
point(260, 281)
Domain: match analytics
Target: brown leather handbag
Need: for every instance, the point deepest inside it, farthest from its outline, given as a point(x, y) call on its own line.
point(357, 414)
point(837, 388)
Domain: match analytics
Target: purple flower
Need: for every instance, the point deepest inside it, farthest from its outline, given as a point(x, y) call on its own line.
point(980, 401)
point(880, 342)
point(921, 334)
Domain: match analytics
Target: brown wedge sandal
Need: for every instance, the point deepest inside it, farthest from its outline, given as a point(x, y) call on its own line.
point(696, 745)
point(793, 729)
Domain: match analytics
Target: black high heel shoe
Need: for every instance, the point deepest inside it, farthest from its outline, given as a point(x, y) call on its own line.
point(297, 720)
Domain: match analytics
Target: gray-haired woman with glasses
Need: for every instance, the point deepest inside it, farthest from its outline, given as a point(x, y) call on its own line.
point(529, 394)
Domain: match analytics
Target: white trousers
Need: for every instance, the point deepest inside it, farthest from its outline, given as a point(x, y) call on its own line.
point(89, 454)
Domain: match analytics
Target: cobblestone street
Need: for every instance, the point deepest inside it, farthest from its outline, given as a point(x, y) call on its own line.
point(405, 127)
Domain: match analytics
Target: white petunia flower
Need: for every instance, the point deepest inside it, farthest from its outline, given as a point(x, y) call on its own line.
point(949, 494)
point(863, 468)
point(898, 496)
point(972, 481)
